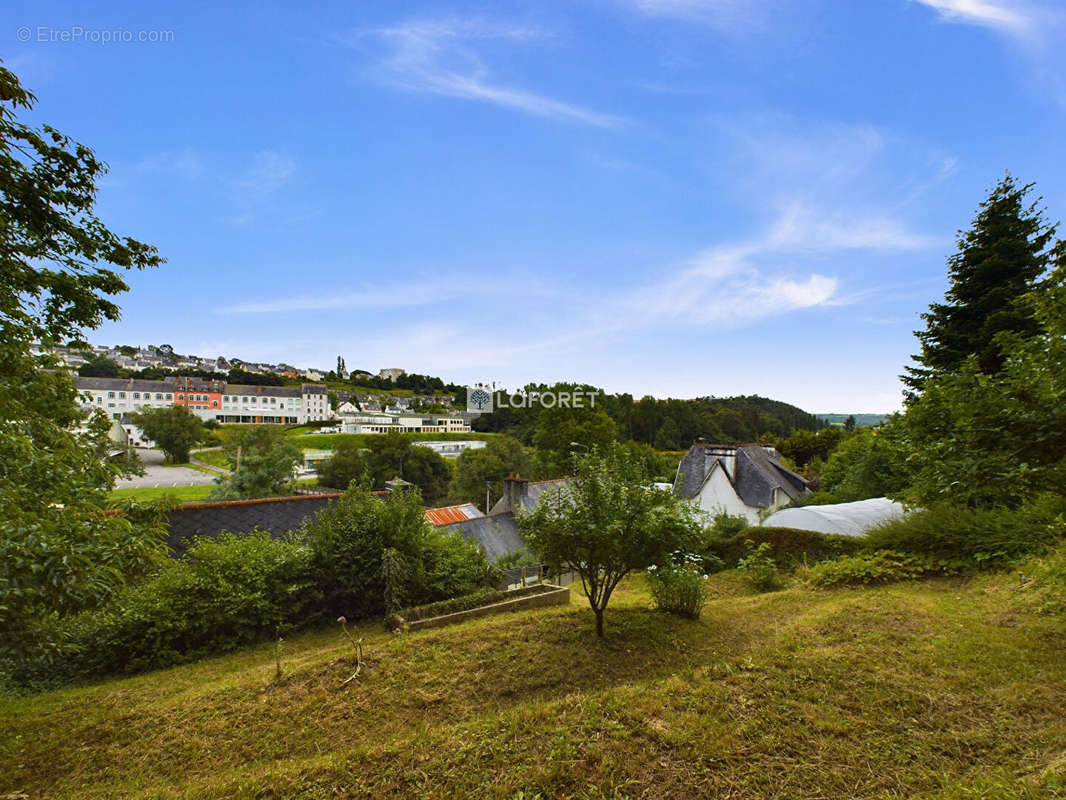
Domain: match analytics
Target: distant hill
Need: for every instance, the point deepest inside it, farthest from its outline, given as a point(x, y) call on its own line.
point(861, 420)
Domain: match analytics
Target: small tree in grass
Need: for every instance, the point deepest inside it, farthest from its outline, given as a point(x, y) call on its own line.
point(175, 429)
point(607, 522)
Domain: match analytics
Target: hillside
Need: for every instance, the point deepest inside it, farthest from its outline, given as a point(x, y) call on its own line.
point(861, 420)
point(936, 689)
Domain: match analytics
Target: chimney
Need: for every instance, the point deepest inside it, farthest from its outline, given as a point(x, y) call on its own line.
point(514, 489)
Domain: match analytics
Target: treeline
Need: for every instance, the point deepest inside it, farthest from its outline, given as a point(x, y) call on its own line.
point(664, 424)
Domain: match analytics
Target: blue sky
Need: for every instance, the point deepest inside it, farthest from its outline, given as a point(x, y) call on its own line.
point(667, 197)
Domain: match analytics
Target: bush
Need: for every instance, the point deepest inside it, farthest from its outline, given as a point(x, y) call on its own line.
point(789, 547)
point(881, 566)
point(727, 526)
point(759, 567)
point(982, 537)
point(350, 540)
point(678, 590)
point(222, 594)
point(1048, 580)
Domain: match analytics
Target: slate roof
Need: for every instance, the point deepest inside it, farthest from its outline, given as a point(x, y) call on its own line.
point(756, 474)
point(497, 534)
point(450, 514)
point(534, 489)
point(123, 385)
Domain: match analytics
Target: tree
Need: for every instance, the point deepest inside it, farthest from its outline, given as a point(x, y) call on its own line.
point(999, 260)
point(500, 457)
point(348, 463)
point(668, 437)
point(99, 367)
point(558, 427)
point(265, 464)
point(608, 522)
point(393, 455)
point(849, 423)
point(174, 429)
point(866, 464)
point(58, 553)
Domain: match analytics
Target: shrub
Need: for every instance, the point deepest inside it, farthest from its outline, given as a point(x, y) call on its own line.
point(1048, 580)
point(678, 590)
point(222, 594)
point(350, 541)
point(727, 526)
point(983, 537)
point(789, 547)
point(881, 566)
point(759, 567)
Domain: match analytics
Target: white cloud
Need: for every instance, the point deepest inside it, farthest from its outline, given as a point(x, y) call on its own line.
point(1002, 14)
point(727, 14)
point(185, 163)
point(268, 173)
point(437, 57)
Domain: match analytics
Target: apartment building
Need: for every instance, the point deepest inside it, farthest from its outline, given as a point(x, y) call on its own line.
point(226, 403)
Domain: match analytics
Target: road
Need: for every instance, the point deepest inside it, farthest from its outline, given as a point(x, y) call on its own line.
point(158, 475)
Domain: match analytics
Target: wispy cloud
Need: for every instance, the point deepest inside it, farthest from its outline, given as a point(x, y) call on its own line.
point(1008, 15)
point(267, 174)
point(185, 163)
point(724, 14)
point(395, 296)
point(439, 57)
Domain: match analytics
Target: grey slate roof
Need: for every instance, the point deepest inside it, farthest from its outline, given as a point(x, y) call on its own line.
point(535, 489)
point(123, 385)
point(497, 534)
point(756, 474)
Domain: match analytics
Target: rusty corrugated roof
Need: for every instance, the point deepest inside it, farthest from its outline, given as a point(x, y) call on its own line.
point(450, 514)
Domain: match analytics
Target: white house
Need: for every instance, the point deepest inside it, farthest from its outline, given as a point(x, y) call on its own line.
point(453, 449)
point(741, 480)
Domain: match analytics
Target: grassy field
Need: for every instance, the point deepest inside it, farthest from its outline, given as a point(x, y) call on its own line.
point(946, 689)
point(183, 494)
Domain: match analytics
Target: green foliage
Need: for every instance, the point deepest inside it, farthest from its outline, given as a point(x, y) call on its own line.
point(58, 553)
point(1046, 580)
point(222, 594)
point(174, 429)
point(879, 566)
point(789, 546)
point(501, 457)
point(99, 367)
point(266, 464)
point(759, 567)
point(350, 540)
point(727, 526)
point(348, 463)
point(519, 558)
point(395, 455)
point(608, 522)
point(980, 537)
point(558, 427)
point(869, 463)
point(1000, 259)
point(803, 446)
point(678, 589)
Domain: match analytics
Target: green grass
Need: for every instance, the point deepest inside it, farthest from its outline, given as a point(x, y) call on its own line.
point(183, 494)
point(215, 457)
point(942, 689)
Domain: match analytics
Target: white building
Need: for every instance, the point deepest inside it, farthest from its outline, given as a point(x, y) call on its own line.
point(453, 449)
point(743, 481)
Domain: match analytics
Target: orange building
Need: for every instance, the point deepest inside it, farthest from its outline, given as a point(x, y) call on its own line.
point(197, 394)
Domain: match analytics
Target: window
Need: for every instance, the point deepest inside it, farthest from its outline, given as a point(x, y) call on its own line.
point(170, 396)
point(158, 395)
point(136, 395)
point(214, 404)
point(181, 397)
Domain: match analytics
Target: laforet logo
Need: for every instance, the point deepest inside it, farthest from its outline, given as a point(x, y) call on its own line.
point(478, 400)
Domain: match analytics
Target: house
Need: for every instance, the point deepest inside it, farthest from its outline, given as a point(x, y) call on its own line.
point(742, 480)
point(497, 532)
point(453, 449)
